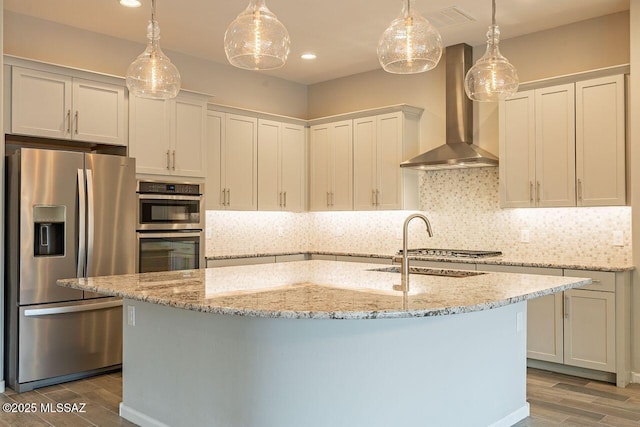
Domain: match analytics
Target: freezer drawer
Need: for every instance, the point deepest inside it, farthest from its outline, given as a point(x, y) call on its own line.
point(65, 338)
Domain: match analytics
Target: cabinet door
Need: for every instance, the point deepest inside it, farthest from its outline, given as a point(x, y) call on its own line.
point(40, 103)
point(600, 141)
point(239, 162)
point(319, 159)
point(389, 157)
point(364, 163)
point(188, 156)
point(589, 330)
point(215, 136)
point(98, 112)
point(292, 167)
point(555, 146)
point(342, 165)
point(545, 324)
point(517, 151)
point(545, 328)
point(149, 135)
point(269, 194)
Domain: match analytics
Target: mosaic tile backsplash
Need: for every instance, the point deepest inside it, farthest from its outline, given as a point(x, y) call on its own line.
point(463, 208)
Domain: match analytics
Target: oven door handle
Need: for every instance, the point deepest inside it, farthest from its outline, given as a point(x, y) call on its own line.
point(168, 197)
point(169, 235)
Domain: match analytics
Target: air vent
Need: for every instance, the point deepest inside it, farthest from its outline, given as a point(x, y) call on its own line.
point(449, 17)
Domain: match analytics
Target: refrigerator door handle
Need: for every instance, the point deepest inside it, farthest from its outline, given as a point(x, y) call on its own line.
point(71, 308)
point(82, 206)
point(90, 221)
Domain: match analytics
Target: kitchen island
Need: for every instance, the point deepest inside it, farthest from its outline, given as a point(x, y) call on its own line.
point(319, 343)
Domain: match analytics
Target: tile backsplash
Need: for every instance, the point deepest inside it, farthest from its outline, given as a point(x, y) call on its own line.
point(463, 208)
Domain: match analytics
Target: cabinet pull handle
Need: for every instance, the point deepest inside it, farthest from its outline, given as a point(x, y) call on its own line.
point(174, 160)
point(538, 192)
point(332, 198)
point(531, 191)
point(168, 161)
point(68, 121)
point(285, 199)
point(373, 197)
point(328, 199)
point(280, 199)
point(77, 122)
point(377, 197)
point(566, 307)
point(594, 281)
point(228, 197)
point(223, 196)
point(579, 189)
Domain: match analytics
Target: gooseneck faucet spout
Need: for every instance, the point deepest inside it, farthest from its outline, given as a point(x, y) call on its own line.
point(405, 257)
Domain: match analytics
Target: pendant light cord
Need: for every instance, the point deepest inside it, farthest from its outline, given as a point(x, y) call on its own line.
point(493, 12)
point(153, 10)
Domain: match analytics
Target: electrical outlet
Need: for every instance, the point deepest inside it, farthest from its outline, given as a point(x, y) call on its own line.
point(524, 236)
point(131, 315)
point(617, 238)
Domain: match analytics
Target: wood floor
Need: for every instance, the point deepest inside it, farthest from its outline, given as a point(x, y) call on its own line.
point(556, 400)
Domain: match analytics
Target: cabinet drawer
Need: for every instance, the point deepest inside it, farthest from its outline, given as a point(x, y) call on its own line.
point(604, 281)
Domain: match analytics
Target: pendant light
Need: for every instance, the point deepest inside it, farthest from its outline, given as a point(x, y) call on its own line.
point(256, 40)
point(492, 77)
point(410, 44)
point(152, 75)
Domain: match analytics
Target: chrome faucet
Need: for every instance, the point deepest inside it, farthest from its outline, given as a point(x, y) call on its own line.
point(405, 256)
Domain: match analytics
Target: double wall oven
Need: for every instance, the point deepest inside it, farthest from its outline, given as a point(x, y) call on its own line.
point(170, 231)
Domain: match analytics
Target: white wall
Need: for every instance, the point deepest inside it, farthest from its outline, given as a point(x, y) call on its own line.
point(1, 203)
point(51, 42)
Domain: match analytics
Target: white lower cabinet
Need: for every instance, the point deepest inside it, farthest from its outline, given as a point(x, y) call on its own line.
point(544, 317)
point(589, 330)
point(582, 328)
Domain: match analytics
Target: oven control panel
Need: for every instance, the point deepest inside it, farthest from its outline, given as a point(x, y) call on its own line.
point(153, 187)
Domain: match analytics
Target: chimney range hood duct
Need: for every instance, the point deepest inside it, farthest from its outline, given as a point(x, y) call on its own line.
point(459, 151)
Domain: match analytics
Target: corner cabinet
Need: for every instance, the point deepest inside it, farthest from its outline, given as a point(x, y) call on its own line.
point(232, 156)
point(331, 166)
point(167, 137)
point(51, 105)
point(281, 166)
point(380, 144)
point(582, 328)
point(564, 145)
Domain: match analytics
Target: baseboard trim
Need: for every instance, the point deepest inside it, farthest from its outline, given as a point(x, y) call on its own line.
point(517, 415)
point(635, 377)
point(139, 418)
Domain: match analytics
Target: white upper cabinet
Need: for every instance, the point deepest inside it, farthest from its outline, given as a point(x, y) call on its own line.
point(281, 171)
point(600, 141)
point(564, 145)
point(555, 146)
point(380, 144)
point(167, 137)
point(331, 166)
point(518, 151)
point(232, 162)
point(57, 106)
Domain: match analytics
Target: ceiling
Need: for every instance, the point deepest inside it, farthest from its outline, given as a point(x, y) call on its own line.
point(343, 33)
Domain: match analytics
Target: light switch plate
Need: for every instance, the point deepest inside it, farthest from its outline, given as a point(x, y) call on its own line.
point(131, 315)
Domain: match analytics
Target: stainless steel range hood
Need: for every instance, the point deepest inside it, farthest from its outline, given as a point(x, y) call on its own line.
point(459, 150)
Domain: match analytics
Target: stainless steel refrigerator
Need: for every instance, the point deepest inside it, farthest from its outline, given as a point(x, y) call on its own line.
point(68, 214)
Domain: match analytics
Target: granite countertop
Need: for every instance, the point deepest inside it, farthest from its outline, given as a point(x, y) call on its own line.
point(323, 289)
point(577, 263)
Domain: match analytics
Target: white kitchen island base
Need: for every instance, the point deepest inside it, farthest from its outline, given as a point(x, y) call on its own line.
point(188, 368)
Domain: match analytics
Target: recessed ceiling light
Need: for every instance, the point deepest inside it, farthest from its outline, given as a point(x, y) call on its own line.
point(131, 3)
point(308, 56)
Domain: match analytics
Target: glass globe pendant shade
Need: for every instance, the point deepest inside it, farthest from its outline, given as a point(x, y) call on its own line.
point(151, 74)
point(492, 78)
point(256, 40)
point(410, 44)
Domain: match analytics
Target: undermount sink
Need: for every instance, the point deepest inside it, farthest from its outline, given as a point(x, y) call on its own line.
point(430, 271)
